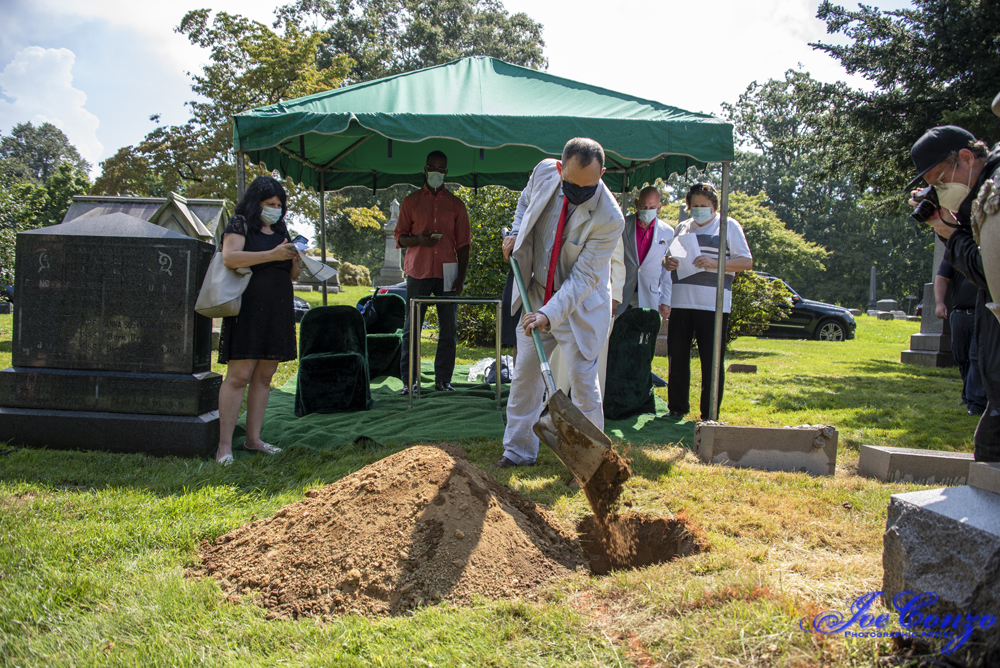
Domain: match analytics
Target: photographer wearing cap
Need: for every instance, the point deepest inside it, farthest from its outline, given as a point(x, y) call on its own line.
point(955, 165)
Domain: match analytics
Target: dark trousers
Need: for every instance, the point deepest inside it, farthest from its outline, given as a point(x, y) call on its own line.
point(963, 348)
point(687, 325)
point(444, 360)
point(987, 438)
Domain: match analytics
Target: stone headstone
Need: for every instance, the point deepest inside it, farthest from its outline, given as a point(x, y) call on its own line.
point(887, 305)
point(872, 313)
point(855, 312)
point(6, 308)
point(946, 542)
point(932, 346)
point(742, 368)
point(661, 338)
point(886, 315)
point(899, 315)
point(108, 352)
point(392, 267)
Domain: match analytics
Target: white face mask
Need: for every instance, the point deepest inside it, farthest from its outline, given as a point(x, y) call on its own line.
point(701, 214)
point(647, 215)
point(951, 195)
point(270, 215)
point(435, 179)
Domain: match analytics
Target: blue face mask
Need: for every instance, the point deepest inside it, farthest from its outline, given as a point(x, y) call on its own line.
point(577, 195)
point(701, 214)
point(270, 215)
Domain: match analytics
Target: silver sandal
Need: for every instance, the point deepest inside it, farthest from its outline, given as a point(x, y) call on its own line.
point(267, 449)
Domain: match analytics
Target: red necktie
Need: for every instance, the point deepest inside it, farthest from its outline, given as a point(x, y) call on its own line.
point(556, 247)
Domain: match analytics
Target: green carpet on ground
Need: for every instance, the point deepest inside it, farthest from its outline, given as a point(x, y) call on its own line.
point(469, 412)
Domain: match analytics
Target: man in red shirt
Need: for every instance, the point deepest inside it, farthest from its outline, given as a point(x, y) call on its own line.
point(433, 227)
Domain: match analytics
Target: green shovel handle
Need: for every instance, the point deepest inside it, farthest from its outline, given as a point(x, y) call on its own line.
point(550, 384)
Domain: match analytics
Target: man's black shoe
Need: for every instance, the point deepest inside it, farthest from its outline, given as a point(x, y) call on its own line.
point(676, 414)
point(406, 390)
point(976, 411)
point(504, 463)
point(446, 387)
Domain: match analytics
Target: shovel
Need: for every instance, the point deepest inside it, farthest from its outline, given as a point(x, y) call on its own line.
point(577, 441)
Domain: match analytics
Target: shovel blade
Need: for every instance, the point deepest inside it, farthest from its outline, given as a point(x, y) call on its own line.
point(577, 441)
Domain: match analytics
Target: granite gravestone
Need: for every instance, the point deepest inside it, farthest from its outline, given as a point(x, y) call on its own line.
point(932, 346)
point(108, 352)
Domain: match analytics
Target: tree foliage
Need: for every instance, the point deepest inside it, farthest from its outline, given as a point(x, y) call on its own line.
point(934, 63)
point(385, 37)
point(33, 154)
point(250, 66)
point(779, 127)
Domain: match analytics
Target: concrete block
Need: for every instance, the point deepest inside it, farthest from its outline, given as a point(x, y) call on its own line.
point(914, 465)
point(216, 337)
point(742, 368)
point(661, 338)
point(913, 318)
point(855, 311)
point(809, 448)
point(886, 315)
point(986, 476)
point(946, 541)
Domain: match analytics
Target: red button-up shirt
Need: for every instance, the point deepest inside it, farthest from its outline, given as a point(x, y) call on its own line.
point(440, 213)
point(643, 238)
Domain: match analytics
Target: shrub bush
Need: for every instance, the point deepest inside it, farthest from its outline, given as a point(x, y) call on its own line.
point(490, 211)
point(352, 274)
point(756, 302)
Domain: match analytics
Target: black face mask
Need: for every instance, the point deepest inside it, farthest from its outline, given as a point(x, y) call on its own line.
point(577, 195)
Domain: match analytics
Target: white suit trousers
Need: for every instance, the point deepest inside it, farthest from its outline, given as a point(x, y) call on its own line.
point(524, 404)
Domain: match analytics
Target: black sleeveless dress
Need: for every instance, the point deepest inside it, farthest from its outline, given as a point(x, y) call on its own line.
point(264, 329)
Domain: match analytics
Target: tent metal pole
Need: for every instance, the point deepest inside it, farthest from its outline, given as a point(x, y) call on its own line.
point(718, 342)
point(322, 226)
point(241, 178)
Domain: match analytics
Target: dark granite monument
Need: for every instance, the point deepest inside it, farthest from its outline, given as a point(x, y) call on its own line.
point(108, 352)
point(932, 346)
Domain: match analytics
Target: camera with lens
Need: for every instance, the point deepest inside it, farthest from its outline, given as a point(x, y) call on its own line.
point(927, 205)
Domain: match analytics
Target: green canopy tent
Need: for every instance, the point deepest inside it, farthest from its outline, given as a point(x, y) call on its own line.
point(495, 121)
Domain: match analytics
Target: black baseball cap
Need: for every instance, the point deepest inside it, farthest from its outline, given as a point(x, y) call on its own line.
point(936, 145)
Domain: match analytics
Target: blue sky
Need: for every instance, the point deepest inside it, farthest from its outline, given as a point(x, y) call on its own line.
point(99, 69)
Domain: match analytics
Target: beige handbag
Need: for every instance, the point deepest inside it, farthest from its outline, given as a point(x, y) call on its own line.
point(222, 290)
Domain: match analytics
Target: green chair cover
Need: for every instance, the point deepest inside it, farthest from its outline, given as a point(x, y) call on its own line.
point(628, 389)
point(333, 362)
point(385, 336)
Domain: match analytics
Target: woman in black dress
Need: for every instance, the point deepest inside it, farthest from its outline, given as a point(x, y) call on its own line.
point(262, 335)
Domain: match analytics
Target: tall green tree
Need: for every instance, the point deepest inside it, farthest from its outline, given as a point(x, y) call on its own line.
point(250, 66)
point(934, 63)
point(33, 154)
point(779, 126)
point(385, 37)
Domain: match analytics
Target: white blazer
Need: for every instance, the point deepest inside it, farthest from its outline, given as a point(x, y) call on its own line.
point(583, 273)
point(649, 279)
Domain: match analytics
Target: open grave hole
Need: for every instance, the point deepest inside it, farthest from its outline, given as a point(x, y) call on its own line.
point(631, 541)
point(421, 526)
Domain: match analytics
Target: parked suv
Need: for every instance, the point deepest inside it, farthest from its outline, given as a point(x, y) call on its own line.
point(811, 320)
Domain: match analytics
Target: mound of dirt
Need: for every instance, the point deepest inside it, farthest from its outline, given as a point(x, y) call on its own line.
point(420, 526)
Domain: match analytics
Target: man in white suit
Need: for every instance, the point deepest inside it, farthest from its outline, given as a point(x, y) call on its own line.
point(566, 227)
point(645, 242)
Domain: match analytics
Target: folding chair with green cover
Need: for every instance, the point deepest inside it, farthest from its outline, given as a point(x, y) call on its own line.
point(333, 362)
point(385, 336)
point(628, 389)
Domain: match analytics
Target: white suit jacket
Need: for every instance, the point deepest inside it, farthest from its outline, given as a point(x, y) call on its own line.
point(649, 279)
point(583, 273)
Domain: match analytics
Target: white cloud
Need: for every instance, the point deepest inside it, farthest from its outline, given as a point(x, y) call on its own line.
point(40, 84)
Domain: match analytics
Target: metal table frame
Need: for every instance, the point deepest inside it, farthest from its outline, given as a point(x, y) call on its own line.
point(415, 335)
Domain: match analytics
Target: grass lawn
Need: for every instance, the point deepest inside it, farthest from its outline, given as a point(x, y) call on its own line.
point(94, 546)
